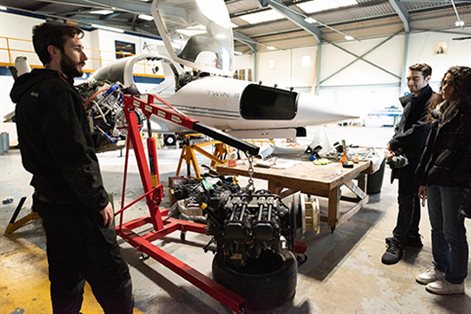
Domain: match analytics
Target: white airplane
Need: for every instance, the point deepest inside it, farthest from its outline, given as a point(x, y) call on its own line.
point(197, 34)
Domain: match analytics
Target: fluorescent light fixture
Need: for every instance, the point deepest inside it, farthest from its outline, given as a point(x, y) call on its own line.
point(322, 5)
point(238, 53)
point(271, 48)
point(459, 22)
point(145, 17)
point(263, 16)
point(310, 20)
point(2, 8)
point(101, 12)
point(113, 29)
point(348, 37)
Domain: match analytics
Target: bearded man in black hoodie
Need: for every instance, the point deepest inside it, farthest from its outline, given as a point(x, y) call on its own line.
point(405, 149)
point(57, 148)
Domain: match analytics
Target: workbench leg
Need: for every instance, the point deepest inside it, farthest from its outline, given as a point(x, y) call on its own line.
point(334, 200)
point(362, 181)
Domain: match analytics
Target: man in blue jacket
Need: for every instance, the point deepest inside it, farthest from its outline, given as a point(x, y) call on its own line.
point(405, 149)
point(57, 148)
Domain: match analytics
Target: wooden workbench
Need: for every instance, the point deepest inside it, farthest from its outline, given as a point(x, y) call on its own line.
point(320, 180)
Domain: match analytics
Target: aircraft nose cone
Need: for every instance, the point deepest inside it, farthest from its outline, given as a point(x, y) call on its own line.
point(314, 110)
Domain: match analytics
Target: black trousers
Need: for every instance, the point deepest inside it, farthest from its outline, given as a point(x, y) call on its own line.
point(80, 249)
point(408, 217)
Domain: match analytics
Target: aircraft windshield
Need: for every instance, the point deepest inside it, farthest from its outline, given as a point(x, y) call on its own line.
point(197, 33)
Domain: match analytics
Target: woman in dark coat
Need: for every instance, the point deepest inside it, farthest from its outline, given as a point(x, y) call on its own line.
point(444, 172)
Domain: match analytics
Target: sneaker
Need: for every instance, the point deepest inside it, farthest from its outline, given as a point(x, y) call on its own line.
point(430, 275)
point(415, 242)
point(444, 287)
point(393, 253)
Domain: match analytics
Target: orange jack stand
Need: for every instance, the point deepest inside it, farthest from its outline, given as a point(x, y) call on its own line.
point(189, 156)
point(15, 225)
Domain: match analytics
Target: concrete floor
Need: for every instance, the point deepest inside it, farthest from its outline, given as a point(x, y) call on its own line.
point(343, 273)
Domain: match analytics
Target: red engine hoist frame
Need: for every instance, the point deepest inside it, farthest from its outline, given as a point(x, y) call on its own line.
point(153, 192)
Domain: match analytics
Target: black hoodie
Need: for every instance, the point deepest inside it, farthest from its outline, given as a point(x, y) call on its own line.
point(55, 142)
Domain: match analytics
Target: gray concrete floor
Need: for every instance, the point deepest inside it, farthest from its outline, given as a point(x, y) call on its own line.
point(343, 273)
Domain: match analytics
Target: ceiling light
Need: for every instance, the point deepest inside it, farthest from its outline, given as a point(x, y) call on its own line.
point(263, 16)
point(271, 48)
point(348, 37)
point(459, 22)
point(145, 17)
point(322, 5)
point(310, 20)
point(238, 53)
point(101, 12)
point(108, 28)
point(2, 8)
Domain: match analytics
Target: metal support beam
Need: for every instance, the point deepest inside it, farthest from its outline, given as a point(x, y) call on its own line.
point(401, 10)
point(318, 68)
point(363, 59)
point(124, 5)
point(437, 1)
point(404, 62)
point(442, 31)
point(255, 66)
point(294, 17)
point(252, 43)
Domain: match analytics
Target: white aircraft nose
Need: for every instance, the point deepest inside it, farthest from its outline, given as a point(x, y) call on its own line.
point(312, 110)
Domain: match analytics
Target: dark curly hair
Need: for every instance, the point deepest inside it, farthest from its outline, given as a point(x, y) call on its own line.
point(462, 83)
point(52, 33)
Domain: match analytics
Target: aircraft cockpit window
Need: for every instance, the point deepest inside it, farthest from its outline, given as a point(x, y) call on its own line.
point(197, 33)
point(266, 103)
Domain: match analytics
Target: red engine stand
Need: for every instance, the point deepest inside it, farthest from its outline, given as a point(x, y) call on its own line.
point(153, 192)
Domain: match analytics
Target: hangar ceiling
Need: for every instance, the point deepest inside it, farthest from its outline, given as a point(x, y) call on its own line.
point(293, 28)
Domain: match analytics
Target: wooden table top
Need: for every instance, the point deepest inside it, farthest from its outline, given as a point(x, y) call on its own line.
point(303, 173)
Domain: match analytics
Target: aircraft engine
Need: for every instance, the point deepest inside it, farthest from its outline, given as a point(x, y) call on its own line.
point(103, 103)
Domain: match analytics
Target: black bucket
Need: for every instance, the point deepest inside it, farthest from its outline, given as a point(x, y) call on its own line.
point(375, 180)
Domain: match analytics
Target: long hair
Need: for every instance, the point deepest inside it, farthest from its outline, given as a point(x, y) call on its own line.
point(462, 83)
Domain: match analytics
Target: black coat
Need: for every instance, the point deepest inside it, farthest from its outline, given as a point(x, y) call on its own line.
point(55, 142)
point(411, 132)
point(447, 157)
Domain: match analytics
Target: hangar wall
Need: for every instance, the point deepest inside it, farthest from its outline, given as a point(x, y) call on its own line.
point(347, 81)
point(99, 47)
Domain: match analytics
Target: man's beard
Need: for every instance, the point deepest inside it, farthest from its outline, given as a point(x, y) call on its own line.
point(69, 67)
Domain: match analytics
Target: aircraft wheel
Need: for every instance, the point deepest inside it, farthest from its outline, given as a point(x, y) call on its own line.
point(266, 282)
